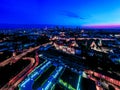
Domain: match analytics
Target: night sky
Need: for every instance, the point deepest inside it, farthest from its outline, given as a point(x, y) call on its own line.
point(60, 12)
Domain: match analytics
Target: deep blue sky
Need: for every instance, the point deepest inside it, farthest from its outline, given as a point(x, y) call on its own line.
point(60, 12)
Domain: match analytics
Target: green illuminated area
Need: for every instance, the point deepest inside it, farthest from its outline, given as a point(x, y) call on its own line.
point(53, 87)
point(58, 86)
point(67, 85)
point(43, 78)
point(69, 79)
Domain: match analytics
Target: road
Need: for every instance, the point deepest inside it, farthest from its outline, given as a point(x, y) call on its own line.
point(111, 81)
point(59, 38)
point(13, 83)
point(29, 71)
point(16, 58)
point(17, 79)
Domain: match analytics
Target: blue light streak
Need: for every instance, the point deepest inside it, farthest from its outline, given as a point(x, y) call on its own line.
point(32, 76)
point(79, 80)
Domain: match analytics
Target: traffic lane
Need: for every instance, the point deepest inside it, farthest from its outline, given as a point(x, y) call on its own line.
point(14, 81)
point(109, 74)
point(100, 85)
point(36, 61)
point(99, 75)
point(29, 70)
point(16, 58)
point(11, 71)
